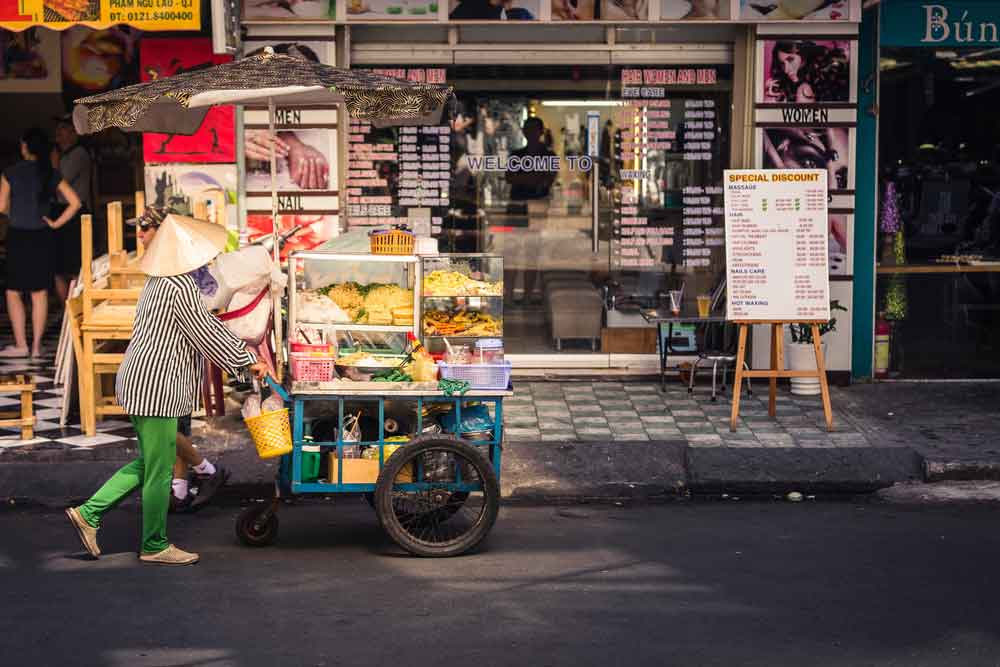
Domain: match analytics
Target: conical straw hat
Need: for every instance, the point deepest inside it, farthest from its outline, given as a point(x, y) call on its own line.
point(181, 245)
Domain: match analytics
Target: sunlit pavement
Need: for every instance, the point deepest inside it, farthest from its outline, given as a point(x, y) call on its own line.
point(685, 583)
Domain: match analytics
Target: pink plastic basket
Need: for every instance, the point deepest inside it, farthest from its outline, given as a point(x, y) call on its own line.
point(309, 368)
point(479, 376)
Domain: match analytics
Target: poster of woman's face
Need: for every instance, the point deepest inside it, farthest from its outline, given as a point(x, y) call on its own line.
point(809, 148)
point(495, 10)
point(804, 72)
point(97, 60)
point(679, 10)
point(794, 10)
point(289, 9)
point(839, 245)
point(305, 159)
point(29, 61)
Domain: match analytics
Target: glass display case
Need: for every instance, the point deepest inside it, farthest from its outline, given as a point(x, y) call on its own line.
point(353, 300)
point(461, 299)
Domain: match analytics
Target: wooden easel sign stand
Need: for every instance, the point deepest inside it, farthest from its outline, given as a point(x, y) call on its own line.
point(777, 268)
point(777, 369)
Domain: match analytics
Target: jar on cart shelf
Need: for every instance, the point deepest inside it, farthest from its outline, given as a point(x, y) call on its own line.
point(489, 351)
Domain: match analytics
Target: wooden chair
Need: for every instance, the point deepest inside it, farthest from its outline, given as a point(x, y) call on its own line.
point(106, 314)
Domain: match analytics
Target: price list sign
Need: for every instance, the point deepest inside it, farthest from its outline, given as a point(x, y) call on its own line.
point(667, 147)
point(776, 245)
point(399, 175)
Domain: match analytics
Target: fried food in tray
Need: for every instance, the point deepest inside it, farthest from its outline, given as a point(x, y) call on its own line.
point(461, 323)
point(455, 283)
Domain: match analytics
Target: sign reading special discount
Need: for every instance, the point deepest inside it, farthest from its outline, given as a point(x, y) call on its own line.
point(59, 14)
point(776, 245)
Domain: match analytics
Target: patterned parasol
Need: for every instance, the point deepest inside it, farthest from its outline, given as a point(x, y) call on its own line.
point(178, 104)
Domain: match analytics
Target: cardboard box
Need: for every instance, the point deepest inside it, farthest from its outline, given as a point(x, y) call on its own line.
point(364, 471)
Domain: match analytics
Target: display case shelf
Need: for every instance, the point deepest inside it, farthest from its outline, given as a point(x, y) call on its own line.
point(471, 282)
point(359, 274)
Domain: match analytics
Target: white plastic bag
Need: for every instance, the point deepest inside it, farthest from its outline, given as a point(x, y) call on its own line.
point(272, 403)
point(251, 406)
point(252, 326)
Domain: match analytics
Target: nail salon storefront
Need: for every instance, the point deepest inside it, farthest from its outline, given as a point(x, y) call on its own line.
point(636, 119)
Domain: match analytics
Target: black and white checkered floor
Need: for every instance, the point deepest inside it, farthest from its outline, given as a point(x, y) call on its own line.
point(48, 407)
point(48, 434)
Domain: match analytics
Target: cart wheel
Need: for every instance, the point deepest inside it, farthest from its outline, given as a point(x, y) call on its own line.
point(257, 525)
point(437, 521)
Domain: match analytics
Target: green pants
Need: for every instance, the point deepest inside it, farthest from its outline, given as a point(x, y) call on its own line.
point(153, 471)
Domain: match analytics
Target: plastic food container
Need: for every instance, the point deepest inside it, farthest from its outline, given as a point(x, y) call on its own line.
point(310, 462)
point(459, 355)
point(489, 351)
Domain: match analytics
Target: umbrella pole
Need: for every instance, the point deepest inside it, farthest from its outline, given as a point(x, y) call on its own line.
point(279, 351)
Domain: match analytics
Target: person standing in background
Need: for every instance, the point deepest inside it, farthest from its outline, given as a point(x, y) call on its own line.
point(74, 163)
point(28, 192)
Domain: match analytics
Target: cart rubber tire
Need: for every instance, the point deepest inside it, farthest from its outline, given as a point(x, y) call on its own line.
point(254, 533)
point(390, 520)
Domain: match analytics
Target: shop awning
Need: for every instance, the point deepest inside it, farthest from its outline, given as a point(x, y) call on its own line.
point(18, 15)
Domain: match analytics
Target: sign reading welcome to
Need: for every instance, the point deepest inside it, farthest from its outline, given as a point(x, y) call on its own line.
point(970, 23)
point(59, 14)
point(777, 262)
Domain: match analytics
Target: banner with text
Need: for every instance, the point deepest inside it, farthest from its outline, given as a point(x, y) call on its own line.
point(60, 14)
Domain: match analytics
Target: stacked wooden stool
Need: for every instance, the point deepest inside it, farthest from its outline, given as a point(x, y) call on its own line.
point(25, 417)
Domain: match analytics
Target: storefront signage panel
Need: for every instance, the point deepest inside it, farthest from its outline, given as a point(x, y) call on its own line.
point(60, 14)
point(940, 23)
point(777, 261)
point(668, 152)
point(397, 175)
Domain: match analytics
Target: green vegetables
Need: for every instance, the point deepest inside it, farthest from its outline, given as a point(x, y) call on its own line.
point(393, 375)
point(452, 387)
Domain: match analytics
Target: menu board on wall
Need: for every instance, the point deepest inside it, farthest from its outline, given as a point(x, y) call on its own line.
point(776, 245)
point(667, 145)
point(399, 175)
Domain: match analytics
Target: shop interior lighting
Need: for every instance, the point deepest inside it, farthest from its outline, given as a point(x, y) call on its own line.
point(582, 103)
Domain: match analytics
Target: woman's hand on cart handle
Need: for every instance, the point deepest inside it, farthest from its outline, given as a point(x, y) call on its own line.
point(260, 370)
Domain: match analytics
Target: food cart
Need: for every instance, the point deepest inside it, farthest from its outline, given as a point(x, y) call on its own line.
point(368, 414)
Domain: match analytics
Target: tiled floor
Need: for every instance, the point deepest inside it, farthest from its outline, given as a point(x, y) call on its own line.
point(561, 411)
point(539, 411)
point(47, 405)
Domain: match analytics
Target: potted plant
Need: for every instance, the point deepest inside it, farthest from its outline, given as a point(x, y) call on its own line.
point(801, 355)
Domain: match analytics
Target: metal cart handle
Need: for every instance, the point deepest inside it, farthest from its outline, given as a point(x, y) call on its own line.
point(277, 388)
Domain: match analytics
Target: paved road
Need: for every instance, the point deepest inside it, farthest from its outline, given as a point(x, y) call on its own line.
point(701, 584)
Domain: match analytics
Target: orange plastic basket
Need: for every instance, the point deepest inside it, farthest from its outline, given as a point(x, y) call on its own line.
point(391, 242)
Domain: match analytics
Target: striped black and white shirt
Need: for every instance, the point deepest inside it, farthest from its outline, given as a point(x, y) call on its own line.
point(173, 330)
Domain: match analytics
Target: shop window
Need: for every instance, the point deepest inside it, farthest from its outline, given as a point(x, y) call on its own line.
point(939, 221)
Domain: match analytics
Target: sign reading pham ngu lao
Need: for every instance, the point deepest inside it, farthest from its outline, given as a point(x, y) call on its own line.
point(18, 15)
point(940, 23)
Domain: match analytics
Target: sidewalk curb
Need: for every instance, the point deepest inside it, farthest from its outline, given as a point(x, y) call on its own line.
point(555, 472)
point(960, 471)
